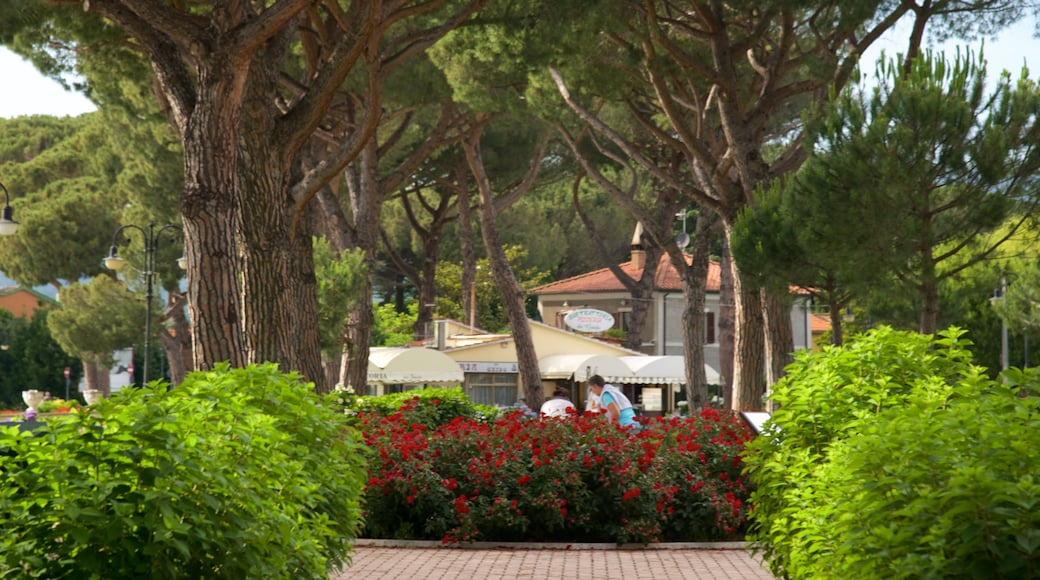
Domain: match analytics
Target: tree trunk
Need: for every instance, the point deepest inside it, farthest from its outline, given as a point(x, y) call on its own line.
point(90, 374)
point(210, 179)
point(366, 203)
point(837, 323)
point(695, 279)
point(780, 337)
point(749, 373)
point(469, 256)
point(177, 341)
point(727, 325)
point(509, 289)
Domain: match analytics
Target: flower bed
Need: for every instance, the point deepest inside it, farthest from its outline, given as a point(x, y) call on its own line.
point(580, 479)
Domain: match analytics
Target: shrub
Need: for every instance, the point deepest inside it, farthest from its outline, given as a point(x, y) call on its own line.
point(943, 491)
point(575, 479)
point(827, 401)
point(431, 407)
point(58, 406)
point(235, 473)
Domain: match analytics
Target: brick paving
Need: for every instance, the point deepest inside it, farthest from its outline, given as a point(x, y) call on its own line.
point(389, 561)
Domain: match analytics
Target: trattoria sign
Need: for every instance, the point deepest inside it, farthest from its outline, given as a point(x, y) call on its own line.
point(589, 320)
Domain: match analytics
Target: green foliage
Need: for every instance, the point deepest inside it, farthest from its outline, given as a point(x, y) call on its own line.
point(340, 287)
point(827, 399)
point(240, 473)
point(1020, 308)
point(489, 311)
point(31, 359)
point(393, 328)
point(906, 183)
point(429, 407)
point(55, 405)
point(96, 319)
point(942, 490)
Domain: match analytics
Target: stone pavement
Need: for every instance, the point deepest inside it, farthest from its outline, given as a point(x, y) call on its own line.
point(384, 560)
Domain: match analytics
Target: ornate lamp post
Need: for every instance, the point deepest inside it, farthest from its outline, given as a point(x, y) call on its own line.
point(150, 237)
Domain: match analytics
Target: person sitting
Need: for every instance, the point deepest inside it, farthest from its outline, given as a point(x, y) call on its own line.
point(615, 403)
point(559, 405)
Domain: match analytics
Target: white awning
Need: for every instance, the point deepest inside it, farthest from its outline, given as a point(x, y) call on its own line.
point(411, 366)
point(668, 370)
point(582, 366)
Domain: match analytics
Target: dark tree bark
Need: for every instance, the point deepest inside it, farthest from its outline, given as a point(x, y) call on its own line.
point(243, 113)
point(509, 289)
point(727, 325)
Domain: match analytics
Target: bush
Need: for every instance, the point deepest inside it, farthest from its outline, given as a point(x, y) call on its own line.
point(431, 407)
point(57, 406)
point(575, 479)
point(833, 455)
point(234, 474)
point(943, 491)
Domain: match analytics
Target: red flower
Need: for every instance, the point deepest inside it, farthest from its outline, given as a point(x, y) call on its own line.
point(523, 479)
point(461, 506)
point(410, 499)
point(631, 494)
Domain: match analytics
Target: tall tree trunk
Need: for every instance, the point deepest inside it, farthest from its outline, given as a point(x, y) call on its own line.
point(90, 377)
point(780, 336)
point(509, 289)
point(469, 255)
point(837, 323)
point(749, 371)
point(366, 203)
point(211, 171)
point(695, 279)
point(176, 342)
point(727, 325)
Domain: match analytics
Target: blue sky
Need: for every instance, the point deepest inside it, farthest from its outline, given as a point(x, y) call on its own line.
point(26, 92)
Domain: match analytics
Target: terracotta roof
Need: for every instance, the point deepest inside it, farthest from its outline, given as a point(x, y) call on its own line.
point(820, 322)
point(603, 280)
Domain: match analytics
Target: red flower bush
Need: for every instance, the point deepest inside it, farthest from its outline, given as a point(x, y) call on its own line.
point(578, 479)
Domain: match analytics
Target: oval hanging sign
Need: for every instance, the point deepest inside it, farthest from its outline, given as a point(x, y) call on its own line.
point(589, 320)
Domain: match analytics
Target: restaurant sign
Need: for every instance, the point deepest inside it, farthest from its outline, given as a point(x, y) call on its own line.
point(589, 320)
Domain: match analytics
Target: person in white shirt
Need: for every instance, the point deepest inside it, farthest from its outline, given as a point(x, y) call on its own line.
point(559, 405)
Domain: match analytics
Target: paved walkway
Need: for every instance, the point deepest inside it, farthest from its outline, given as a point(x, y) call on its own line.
point(422, 560)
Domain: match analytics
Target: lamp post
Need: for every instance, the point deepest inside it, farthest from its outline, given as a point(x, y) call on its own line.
point(150, 238)
point(998, 299)
point(7, 224)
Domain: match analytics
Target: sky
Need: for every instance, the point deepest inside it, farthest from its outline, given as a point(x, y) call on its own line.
point(27, 92)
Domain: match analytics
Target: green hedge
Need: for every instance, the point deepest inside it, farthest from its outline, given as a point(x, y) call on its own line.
point(240, 473)
point(431, 407)
point(896, 457)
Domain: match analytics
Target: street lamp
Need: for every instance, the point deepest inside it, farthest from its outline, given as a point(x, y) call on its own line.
point(113, 262)
point(7, 224)
point(997, 300)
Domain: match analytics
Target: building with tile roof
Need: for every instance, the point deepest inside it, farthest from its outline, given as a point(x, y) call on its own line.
point(662, 334)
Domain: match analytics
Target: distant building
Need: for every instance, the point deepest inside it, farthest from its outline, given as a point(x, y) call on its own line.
point(23, 302)
point(662, 334)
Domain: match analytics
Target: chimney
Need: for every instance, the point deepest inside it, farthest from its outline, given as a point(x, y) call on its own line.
point(638, 253)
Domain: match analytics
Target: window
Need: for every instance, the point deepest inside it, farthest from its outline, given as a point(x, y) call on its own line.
point(709, 328)
point(492, 388)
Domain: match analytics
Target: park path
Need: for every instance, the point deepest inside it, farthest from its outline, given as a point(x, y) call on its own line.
point(385, 560)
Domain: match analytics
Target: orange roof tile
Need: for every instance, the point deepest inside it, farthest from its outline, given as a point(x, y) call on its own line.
point(820, 322)
point(603, 280)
